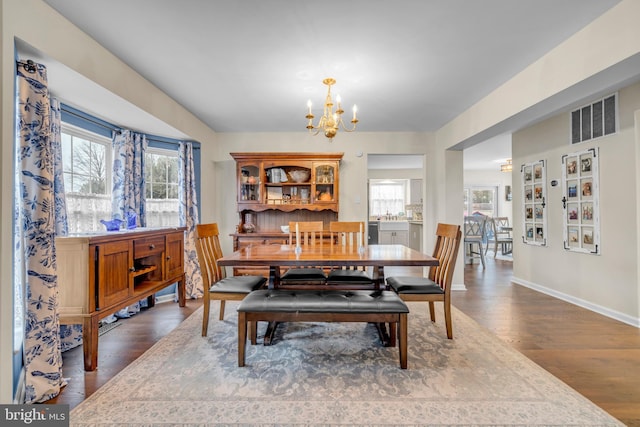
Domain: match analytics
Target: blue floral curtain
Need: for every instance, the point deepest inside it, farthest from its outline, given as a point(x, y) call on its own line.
point(128, 175)
point(36, 182)
point(188, 211)
point(128, 191)
point(70, 335)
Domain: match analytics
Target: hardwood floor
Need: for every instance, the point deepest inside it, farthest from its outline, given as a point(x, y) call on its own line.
point(597, 356)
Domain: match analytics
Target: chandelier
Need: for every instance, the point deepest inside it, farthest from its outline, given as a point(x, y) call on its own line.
point(330, 120)
point(507, 167)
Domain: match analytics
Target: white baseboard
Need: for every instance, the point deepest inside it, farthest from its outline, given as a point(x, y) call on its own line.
point(167, 298)
point(613, 314)
point(458, 287)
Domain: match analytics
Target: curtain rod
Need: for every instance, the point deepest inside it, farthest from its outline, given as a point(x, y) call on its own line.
point(119, 130)
point(83, 117)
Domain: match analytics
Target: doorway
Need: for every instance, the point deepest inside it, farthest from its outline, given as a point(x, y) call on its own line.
point(395, 194)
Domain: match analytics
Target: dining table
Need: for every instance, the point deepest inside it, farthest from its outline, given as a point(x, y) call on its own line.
point(278, 257)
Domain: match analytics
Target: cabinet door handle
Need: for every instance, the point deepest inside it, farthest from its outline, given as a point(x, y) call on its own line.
point(168, 258)
point(152, 246)
point(132, 269)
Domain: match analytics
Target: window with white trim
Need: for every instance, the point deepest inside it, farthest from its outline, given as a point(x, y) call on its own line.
point(86, 159)
point(161, 187)
point(388, 197)
point(481, 200)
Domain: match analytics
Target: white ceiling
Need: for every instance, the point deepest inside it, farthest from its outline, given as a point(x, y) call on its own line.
point(251, 65)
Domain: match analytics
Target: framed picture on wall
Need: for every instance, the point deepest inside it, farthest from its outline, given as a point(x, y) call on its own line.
point(534, 178)
point(580, 202)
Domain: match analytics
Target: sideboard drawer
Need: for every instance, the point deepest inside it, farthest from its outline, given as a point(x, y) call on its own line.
point(148, 246)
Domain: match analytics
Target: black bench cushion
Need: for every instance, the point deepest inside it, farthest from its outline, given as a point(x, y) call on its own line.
point(238, 284)
point(414, 285)
point(322, 301)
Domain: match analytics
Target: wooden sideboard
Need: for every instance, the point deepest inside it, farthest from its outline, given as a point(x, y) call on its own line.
point(101, 273)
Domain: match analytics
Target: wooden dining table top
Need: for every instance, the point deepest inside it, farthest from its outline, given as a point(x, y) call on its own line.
point(328, 255)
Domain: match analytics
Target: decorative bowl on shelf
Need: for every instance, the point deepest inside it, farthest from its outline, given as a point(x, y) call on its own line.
point(300, 175)
point(284, 228)
point(113, 225)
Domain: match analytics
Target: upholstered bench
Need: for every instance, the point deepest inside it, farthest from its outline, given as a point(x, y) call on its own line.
point(283, 305)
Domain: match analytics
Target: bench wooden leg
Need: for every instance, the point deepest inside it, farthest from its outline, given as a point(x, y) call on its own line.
point(242, 337)
point(402, 331)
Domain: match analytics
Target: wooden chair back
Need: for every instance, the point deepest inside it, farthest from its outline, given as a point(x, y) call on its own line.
point(310, 232)
point(448, 237)
point(347, 234)
point(209, 251)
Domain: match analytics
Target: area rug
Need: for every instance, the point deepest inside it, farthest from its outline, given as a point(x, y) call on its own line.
point(336, 374)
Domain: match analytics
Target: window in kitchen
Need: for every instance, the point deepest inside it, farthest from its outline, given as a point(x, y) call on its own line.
point(388, 197)
point(161, 177)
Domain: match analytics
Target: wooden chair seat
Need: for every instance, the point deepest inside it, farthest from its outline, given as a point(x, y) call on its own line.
point(414, 285)
point(238, 284)
point(436, 287)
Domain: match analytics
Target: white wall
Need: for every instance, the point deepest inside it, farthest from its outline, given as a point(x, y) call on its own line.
point(608, 282)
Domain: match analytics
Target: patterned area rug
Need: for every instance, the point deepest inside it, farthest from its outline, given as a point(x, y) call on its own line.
point(336, 374)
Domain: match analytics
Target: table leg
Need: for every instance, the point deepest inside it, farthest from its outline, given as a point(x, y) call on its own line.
point(270, 333)
point(274, 281)
point(384, 335)
point(379, 277)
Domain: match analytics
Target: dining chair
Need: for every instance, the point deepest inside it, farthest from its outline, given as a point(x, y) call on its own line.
point(217, 286)
point(474, 237)
point(437, 286)
point(500, 235)
point(310, 233)
point(347, 236)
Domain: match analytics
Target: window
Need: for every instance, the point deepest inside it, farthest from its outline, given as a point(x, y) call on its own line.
point(161, 192)
point(86, 159)
point(388, 197)
point(481, 200)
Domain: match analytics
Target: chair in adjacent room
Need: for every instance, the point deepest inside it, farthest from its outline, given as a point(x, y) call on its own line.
point(310, 234)
point(347, 236)
point(217, 286)
point(500, 236)
point(437, 286)
point(474, 237)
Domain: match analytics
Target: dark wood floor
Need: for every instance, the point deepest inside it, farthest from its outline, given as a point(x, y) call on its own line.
point(597, 356)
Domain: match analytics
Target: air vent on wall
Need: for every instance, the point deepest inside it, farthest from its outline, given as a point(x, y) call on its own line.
point(597, 119)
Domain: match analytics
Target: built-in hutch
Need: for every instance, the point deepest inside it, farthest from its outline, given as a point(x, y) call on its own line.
point(275, 188)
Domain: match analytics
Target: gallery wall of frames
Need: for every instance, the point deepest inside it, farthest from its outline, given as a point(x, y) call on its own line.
point(580, 189)
point(534, 178)
point(580, 201)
